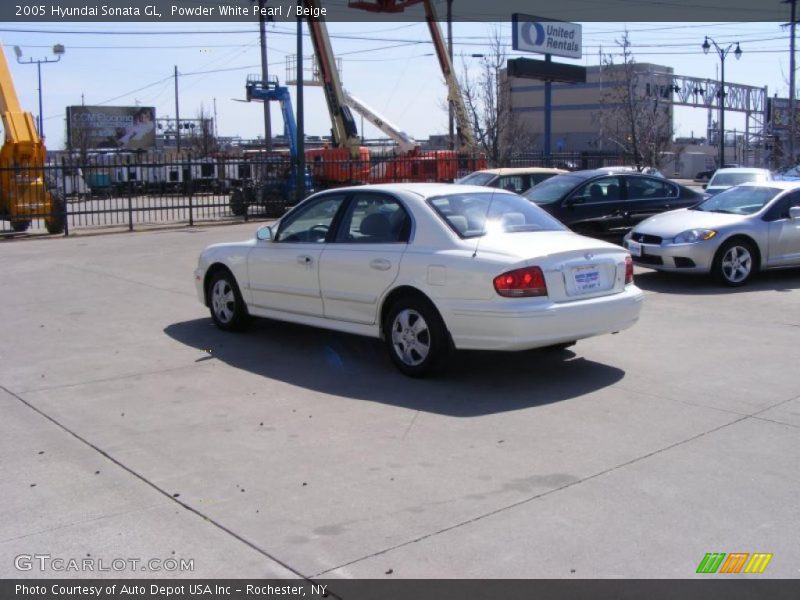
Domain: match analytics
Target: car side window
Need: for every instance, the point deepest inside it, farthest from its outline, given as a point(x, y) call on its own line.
point(604, 189)
point(646, 188)
point(310, 223)
point(780, 210)
point(374, 219)
point(513, 183)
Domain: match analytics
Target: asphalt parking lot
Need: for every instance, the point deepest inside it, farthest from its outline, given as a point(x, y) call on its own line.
point(132, 428)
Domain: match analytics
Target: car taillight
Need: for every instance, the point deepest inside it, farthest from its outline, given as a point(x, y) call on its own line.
point(521, 283)
point(628, 270)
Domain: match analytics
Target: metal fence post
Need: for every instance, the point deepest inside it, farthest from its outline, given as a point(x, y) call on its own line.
point(64, 198)
point(130, 193)
point(191, 189)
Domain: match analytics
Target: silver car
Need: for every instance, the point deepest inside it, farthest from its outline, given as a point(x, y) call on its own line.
point(731, 235)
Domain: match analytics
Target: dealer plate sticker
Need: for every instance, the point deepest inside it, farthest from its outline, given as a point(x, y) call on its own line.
point(635, 248)
point(587, 279)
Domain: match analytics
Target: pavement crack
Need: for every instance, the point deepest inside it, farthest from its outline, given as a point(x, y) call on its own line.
point(253, 546)
point(106, 379)
point(410, 424)
point(125, 279)
point(530, 499)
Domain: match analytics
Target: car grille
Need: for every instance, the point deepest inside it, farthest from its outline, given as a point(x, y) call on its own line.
point(647, 259)
point(643, 238)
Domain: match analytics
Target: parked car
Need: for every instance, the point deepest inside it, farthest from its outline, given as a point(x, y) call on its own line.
point(517, 179)
point(427, 268)
point(607, 201)
point(731, 235)
point(706, 175)
point(727, 178)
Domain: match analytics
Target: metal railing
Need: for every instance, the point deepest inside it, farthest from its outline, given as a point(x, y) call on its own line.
point(137, 192)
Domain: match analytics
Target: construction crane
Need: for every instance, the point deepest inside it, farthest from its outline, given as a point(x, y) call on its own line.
point(464, 131)
point(23, 194)
point(345, 132)
point(275, 189)
point(405, 143)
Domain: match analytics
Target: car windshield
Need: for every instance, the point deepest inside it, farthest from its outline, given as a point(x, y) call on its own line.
point(743, 200)
point(731, 179)
point(477, 178)
point(553, 189)
point(476, 215)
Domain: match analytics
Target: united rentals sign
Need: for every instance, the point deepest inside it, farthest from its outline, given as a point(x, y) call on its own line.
point(558, 38)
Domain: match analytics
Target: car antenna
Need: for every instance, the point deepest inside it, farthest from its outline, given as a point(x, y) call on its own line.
point(485, 222)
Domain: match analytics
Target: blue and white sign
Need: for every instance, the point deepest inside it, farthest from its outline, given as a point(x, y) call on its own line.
point(559, 38)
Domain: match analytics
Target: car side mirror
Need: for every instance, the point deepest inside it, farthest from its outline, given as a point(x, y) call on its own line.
point(264, 234)
point(705, 185)
point(794, 212)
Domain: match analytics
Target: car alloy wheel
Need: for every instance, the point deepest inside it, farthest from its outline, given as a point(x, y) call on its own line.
point(736, 262)
point(736, 265)
point(223, 301)
point(227, 306)
point(416, 336)
point(411, 338)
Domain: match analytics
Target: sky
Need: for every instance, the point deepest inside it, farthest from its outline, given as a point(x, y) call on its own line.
point(390, 66)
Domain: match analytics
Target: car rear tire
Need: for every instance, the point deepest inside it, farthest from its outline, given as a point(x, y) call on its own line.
point(55, 222)
point(735, 262)
point(416, 337)
point(225, 302)
point(237, 203)
point(20, 225)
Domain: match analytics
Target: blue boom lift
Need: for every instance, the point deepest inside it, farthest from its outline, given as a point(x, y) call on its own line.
point(274, 187)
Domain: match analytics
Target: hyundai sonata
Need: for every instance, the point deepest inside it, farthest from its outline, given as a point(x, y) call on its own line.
point(427, 268)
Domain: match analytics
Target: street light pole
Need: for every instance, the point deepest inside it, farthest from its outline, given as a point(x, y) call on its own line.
point(723, 53)
point(58, 51)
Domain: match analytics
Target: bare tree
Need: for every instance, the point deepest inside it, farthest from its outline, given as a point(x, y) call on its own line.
point(498, 131)
point(204, 142)
point(636, 113)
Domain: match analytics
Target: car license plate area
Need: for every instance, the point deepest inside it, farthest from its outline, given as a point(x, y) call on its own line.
point(590, 279)
point(635, 248)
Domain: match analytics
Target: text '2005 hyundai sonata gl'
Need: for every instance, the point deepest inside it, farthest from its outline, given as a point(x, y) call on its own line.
point(428, 268)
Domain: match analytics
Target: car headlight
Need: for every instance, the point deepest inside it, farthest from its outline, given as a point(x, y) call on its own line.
point(694, 235)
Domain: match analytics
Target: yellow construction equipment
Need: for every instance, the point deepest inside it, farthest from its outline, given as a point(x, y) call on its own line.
point(23, 194)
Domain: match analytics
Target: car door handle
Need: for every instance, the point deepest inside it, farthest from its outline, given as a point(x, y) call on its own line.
point(305, 259)
point(380, 264)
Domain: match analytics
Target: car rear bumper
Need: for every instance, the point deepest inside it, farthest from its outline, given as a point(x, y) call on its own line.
point(509, 327)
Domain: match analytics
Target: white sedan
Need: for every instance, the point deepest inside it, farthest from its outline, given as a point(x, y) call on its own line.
point(427, 268)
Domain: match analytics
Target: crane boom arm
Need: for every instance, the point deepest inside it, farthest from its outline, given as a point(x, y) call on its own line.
point(271, 91)
point(18, 124)
point(466, 135)
point(404, 141)
point(345, 132)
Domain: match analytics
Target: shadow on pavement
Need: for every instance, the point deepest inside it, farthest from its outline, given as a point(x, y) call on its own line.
point(784, 280)
point(475, 383)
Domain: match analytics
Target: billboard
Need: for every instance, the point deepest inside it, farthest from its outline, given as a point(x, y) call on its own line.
point(779, 114)
point(559, 38)
point(118, 127)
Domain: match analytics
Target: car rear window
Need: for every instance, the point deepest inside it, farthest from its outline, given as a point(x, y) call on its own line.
point(477, 178)
point(731, 179)
point(553, 189)
point(475, 214)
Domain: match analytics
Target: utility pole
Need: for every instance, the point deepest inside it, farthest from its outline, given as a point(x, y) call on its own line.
point(792, 120)
point(301, 148)
point(262, 28)
point(450, 117)
point(177, 114)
